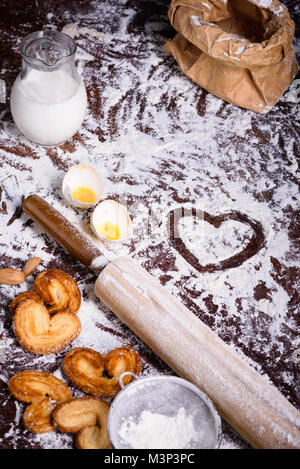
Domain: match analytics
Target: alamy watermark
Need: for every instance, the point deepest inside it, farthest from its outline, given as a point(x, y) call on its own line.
point(153, 222)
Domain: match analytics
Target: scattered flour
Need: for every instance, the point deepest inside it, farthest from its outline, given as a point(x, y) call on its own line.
point(210, 244)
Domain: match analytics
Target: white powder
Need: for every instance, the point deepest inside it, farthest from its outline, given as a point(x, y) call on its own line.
point(199, 22)
point(210, 244)
point(156, 431)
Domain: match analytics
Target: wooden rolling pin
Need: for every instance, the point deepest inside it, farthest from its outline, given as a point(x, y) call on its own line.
point(253, 406)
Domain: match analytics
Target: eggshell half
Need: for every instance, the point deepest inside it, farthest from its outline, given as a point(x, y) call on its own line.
point(111, 212)
point(84, 176)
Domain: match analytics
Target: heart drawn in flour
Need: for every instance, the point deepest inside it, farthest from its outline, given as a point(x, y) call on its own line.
point(253, 242)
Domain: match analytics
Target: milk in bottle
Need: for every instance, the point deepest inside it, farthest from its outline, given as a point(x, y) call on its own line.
point(48, 99)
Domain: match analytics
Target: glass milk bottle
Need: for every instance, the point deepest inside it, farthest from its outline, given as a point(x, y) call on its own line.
point(48, 99)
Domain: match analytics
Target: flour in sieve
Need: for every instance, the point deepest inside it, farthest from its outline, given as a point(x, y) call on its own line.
point(156, 431)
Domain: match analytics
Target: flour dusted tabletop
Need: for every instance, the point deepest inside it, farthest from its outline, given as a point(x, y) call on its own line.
point(159, 143)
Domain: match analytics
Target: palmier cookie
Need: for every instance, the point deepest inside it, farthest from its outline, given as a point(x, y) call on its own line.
point(43, 392)
point(98, 374)
point(86, 416)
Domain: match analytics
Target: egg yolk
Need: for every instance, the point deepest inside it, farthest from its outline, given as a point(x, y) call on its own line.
point(84, 194)
point(108, 230)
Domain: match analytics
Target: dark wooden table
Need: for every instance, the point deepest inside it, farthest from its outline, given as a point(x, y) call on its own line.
point(159, 142)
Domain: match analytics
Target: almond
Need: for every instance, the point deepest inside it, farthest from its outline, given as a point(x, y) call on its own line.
point(11, 276)
point(31, 265)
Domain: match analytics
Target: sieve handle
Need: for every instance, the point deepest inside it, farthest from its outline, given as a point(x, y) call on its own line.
point(125, 374)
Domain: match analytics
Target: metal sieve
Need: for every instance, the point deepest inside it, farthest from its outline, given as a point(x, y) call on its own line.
point(164, 395)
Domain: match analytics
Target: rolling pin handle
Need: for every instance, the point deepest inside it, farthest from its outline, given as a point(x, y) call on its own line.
point(64, 232)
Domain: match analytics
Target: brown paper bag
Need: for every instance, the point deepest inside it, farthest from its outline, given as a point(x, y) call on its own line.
point(239, 50)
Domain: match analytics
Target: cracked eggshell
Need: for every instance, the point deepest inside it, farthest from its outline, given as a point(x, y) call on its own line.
point(110, 221)
point(85, 177)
